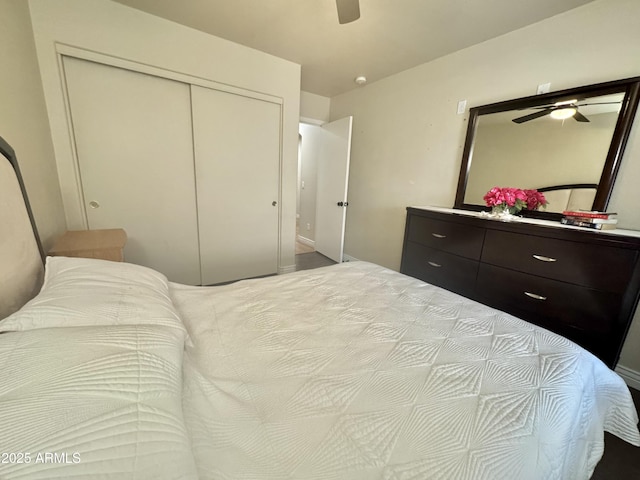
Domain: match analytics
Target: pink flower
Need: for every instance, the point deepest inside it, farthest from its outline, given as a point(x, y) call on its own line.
point(494, 197)
point(514, 198)
point(535, 199)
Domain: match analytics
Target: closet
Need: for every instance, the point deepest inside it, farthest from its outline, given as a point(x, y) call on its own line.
point(237, 159)
point(191, 173)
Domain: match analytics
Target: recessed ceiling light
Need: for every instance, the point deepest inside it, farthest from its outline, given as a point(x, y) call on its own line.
point(360, 80)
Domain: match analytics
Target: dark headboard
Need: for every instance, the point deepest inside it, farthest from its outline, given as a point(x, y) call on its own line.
point(574, 196)
point(21, 254)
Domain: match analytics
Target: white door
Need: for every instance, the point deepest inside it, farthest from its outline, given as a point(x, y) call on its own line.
point(133, 138)
point(237, 158)
point(332, 183)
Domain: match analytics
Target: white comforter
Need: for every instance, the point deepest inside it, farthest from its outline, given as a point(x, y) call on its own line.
point(93, 402)
point(357, 372)
point(91, 378)
point(347, 372)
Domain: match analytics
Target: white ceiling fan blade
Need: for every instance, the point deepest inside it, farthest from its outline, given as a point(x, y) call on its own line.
point(348, 10)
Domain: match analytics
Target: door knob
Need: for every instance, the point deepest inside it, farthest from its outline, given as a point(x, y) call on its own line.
point(274, 203)
point(94, 204)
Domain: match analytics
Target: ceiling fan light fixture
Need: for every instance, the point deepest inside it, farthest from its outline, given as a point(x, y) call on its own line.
point(563, 113)
point(566, 102)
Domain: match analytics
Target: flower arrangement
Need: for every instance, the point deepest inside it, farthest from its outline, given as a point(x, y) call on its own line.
point(506, 200)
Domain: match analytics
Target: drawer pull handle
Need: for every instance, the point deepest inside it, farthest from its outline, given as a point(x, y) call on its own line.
point(535, 296)
point(439, 235)
point(434, 264)
point(542, 258)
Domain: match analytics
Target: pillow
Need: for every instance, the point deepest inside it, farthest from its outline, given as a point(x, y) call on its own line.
point(84, 291)
point(93, 402)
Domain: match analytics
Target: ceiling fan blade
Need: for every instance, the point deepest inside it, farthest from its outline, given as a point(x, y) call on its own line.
point(348, 10)
point(597, 103)
point(532, 116)
point(580, 117)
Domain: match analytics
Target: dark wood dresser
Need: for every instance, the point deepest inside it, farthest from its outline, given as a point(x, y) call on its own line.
point(579, 283)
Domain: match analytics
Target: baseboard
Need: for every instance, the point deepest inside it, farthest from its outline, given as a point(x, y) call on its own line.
point(286, 269)
point(306, 241)
point(348, 258)
point(631, 377)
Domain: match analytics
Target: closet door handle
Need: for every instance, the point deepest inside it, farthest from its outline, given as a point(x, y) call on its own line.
point(434, 264)
point(94, 204)
point(542, 258)
point(535, 296)
point(439, 235)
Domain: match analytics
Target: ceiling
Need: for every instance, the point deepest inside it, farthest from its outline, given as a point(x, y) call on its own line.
point(390, 36)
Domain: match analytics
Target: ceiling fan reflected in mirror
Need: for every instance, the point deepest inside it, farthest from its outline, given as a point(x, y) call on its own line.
point(561, 111)
point(348, 10)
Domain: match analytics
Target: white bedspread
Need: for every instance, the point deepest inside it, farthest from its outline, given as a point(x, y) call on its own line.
point(93, 402)
point(357, 372)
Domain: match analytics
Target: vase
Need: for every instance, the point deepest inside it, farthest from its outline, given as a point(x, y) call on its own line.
point(504, 212)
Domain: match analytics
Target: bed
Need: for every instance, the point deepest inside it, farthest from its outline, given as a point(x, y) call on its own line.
point(351, 371)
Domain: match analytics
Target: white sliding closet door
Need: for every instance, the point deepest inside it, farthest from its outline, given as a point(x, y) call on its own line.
point(133, 136)
point(237, 152)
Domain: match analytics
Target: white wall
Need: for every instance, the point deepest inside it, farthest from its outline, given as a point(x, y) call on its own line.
point(23, 119)
point(112, 29)
point(310, 145)
point(314, 109)
point(408, 139)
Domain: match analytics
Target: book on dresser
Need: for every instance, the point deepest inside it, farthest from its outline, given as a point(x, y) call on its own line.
point(593, 214)
point(590, 219)
point(595, 223)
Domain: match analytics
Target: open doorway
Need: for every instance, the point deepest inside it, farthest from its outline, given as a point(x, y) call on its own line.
point(309, 144)
point(323, 172)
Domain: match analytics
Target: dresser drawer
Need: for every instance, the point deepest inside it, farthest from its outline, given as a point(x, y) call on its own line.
point(440, 268)
point(593, 266)
point(463, 240)
point(535, 298)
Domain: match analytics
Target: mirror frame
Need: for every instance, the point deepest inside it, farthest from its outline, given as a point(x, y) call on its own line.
point(630, 87)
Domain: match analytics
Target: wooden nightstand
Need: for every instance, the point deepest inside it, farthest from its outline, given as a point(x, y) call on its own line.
point(102, 244)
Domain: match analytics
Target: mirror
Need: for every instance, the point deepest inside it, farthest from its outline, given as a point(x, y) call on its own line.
point(567, 144)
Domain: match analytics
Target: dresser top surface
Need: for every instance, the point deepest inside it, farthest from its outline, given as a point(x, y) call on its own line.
point(531, 221)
